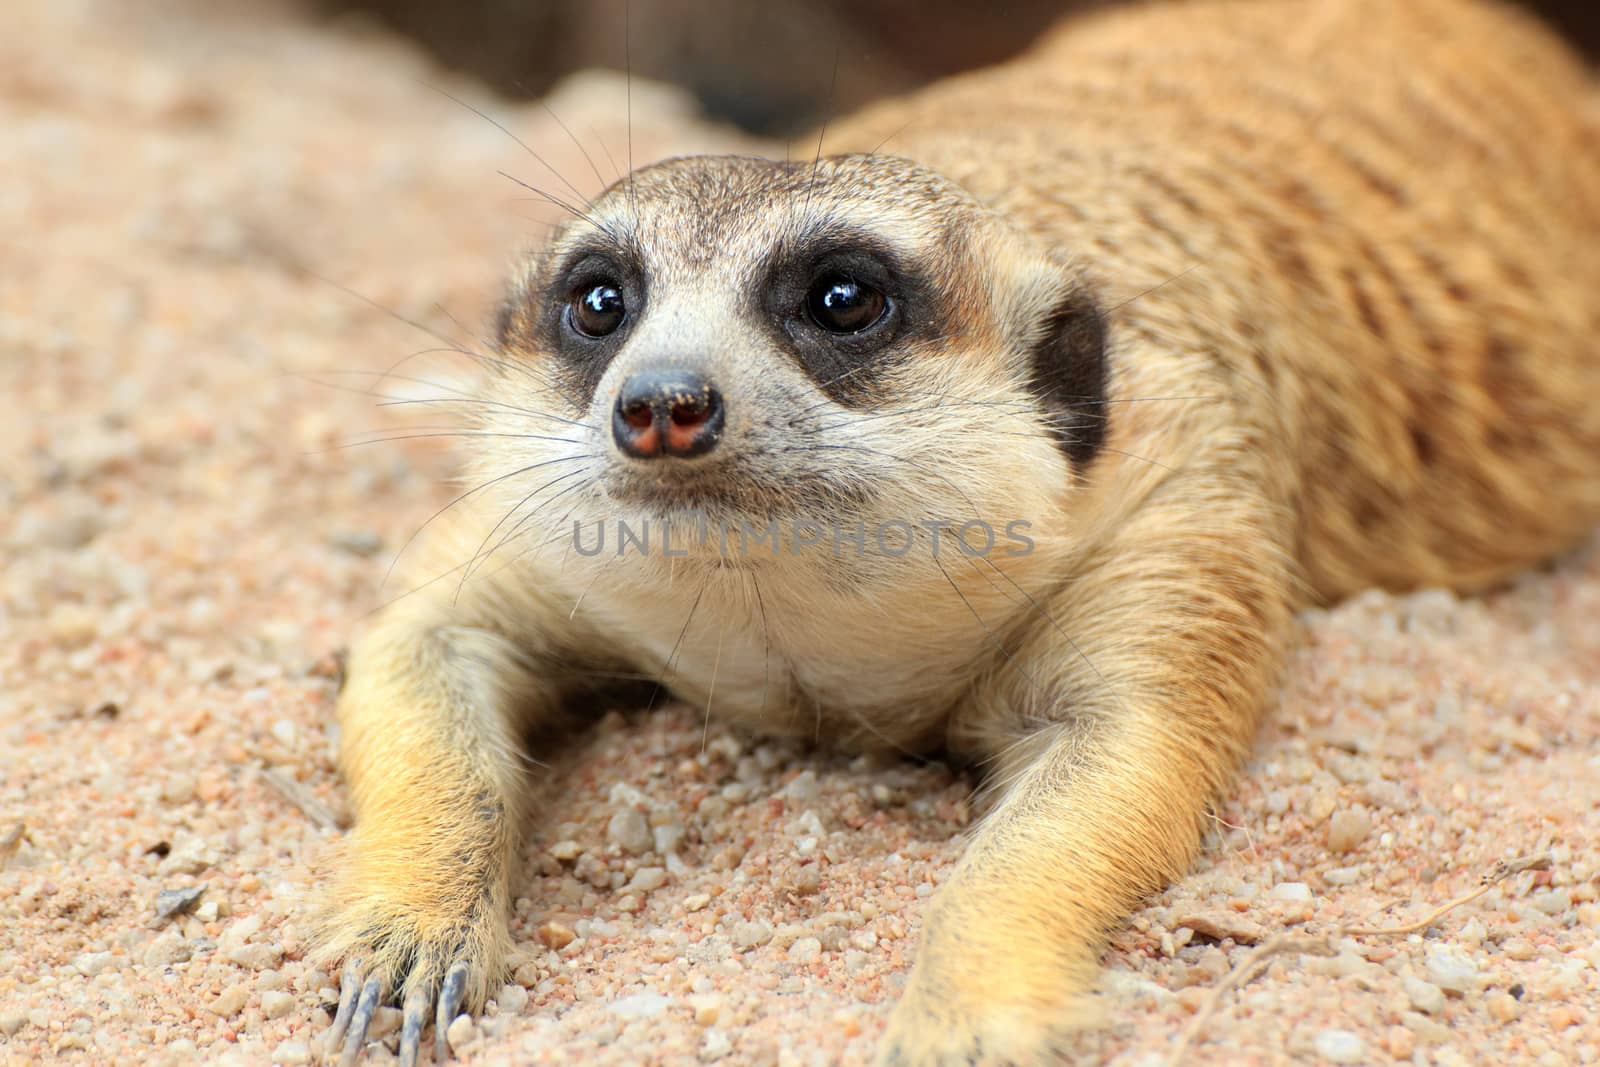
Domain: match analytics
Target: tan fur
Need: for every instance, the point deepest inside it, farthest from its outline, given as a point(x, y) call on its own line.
point(1346, 250)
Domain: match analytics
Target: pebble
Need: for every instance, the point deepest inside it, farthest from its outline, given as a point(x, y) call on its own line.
point(275, 1004)
point(1338, 1046)
point(805, 950)
point(1519, 949)
point(640, 1005)
point(511, 999)
point(667, 836)
point(1424, 1027)
point(1554, 902)
point(696, 902)
point(1503, 1007)
point(230, 1000)
point(630, 831)
point(256, 956)
point(292, 1052)
point(803, 789)
point(178, 788)
point(556, 935)
point(283, 732)
point(714, 1046)
point(461, 1032)
point(167, 949)
point(1424, 996)
point(1348, 828)
point(806, 880)
point(170, 902)
point(646, 879)
point(1291, 891)
point(809, 825)
point(707, 1008)
point(1222, 926)
point(1450, 969)
point(363, 543)
point(749, 935)
point(11, 1022)
point(385, 1021)
point(92, 963)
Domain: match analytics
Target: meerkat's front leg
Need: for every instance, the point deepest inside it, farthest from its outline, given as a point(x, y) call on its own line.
point(440, 695)
point(1110, 747)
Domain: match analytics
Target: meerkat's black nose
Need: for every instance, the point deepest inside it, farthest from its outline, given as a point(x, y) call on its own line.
point(672, 412)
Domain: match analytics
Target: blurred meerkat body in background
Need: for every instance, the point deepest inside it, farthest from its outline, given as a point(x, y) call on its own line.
point(1242, 305)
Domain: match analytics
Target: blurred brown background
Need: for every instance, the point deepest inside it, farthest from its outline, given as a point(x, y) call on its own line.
point(766, 66)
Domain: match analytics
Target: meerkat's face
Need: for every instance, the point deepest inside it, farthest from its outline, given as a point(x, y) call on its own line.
point(851, 344)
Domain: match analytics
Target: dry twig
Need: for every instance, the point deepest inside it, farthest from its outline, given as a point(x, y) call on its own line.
point(301, 797)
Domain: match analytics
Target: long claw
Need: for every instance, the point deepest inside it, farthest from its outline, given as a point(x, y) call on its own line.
point(450, 994)
point(349, 984)
point(413, 1019)
point(360, 1021)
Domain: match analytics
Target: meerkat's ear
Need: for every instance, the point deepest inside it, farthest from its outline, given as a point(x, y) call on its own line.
point(1066, 365)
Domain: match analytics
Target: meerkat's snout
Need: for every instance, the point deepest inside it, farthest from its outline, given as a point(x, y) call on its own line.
point(674, 412)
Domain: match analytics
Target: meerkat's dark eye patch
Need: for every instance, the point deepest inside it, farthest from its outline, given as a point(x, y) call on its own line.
point(848, 308)
point(1069, 377)
point(586, 307)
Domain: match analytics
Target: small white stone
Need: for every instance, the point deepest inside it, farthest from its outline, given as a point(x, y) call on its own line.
point(714, 1046)
point(640, 1005)
point(630, 831)
point(707, 1008)
point(461, 1033)
point(1338, 1046)
point(809, 825)
point(230, 1000)
point(751, 935)
point(1554, 902)
point(283, 732)
point(803, 789)
point(1291, 891)
point(512, 998)
point(92, 963)
point(385, 1021)
point(275, 1004)
point(805, 950)
point(1348, 828)
point(1450, 969)
point(647, 879)
point(257, 957)
point(666, 837)
point(292, 1053)
point(1424, 996)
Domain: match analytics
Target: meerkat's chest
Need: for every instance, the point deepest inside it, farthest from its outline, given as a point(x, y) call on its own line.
point(788, 655)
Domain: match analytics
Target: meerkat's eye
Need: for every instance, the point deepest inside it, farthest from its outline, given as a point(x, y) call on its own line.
point(840, 304)
point(596, 310)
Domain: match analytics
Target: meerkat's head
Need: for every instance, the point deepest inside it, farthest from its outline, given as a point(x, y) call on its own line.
point(855, 342)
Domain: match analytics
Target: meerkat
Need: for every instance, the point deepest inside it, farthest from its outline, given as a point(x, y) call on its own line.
point(1235, 307)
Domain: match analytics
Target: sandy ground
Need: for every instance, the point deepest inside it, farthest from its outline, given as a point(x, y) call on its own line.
point(186, 547)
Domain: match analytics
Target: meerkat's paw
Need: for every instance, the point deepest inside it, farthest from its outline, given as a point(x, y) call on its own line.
point(941, 1038)
point(973, 1024)
point(432, 963)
